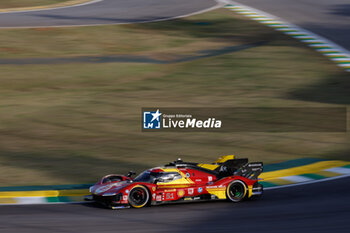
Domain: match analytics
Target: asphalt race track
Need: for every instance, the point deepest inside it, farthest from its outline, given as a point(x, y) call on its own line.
point(318, 207)
point(328, 18)
point(106, 12)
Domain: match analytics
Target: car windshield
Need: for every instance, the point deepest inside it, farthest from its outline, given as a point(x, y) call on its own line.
point(164, 177)
point(147, 177)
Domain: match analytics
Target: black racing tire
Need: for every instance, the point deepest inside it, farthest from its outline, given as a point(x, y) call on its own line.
point(139, 196)
point(236, 191)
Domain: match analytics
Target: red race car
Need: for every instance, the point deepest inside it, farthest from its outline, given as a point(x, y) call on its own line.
point(178, 181)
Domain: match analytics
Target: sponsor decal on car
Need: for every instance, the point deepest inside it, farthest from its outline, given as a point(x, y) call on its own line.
point(170, 196)
point(190, 191)
point(180, 193)
point(170, 190)
point(215, 188)
point(200, 189)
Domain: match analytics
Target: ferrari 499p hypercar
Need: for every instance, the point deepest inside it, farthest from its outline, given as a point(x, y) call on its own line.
point(178, 181)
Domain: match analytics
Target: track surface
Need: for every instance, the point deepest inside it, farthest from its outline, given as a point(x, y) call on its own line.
point(328, 18)
point(106, 12)
point(318, 207)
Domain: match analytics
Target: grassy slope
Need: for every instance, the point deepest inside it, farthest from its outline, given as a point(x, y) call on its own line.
point(72, 123)
point(27, 3)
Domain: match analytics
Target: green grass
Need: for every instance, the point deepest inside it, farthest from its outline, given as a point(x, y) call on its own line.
point(27, 3)
point(73, 123)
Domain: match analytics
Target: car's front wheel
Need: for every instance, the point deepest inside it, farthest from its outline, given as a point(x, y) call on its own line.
point(139, 196)
point(236, 191)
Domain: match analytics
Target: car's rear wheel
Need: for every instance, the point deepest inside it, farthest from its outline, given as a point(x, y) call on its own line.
point(236, 191)
point(139, 196)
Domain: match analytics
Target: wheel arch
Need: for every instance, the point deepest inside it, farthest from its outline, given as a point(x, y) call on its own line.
point(148, 192)
point(245, 185)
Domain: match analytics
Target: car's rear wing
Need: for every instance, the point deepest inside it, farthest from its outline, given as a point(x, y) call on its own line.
point(226, 166)
point(250, 170)
point(238, 166)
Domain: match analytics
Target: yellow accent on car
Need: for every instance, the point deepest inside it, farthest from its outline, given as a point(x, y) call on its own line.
point(219, 192)
point(183, 182)
point(250, 190)
point(168, 186)
point(224, 158)
point(208, 166)
point(170, 170)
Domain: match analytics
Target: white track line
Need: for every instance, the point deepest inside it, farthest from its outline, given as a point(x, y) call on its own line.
point(30, 200)
point(339, 170)
point(53, 8)
point(313, 40)
point(218, 5)
point(296, 179)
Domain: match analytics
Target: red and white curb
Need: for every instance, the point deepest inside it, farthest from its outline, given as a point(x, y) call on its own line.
point(334, 52)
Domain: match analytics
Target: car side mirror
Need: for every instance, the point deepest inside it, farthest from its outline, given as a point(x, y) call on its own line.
point(131, 173)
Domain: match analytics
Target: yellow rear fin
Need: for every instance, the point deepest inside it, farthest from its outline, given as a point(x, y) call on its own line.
point(208, 166)
point(224, 158)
